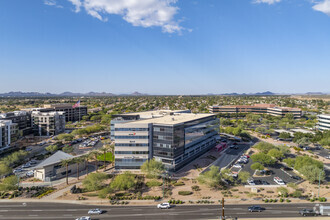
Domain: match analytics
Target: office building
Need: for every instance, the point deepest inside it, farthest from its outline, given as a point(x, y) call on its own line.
point(71, 114)
point(174, 140)
point(126, 117)
point(8, 133)
point(323, 122)
point(258, 109)
point(48, 123)
point(22, 119)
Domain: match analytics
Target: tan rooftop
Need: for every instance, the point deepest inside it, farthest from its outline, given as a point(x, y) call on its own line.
point(172, 119)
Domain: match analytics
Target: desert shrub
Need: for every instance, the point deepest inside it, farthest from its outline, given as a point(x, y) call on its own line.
point(153, 183)
point(185, 193)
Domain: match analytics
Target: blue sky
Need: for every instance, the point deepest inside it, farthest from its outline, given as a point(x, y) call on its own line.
point(165, 46)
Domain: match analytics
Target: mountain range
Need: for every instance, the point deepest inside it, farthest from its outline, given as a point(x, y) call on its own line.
point(106, 94)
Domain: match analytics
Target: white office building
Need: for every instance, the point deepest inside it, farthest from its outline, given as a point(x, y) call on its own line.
point(323, 122)
point(5, 133)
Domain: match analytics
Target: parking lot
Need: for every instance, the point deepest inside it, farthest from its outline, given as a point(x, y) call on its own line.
point(321, 151)
point(276, 170)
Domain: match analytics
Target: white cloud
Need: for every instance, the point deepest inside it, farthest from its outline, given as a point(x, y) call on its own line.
point(144, 13)
point(270, 2)
point(323, 6)
point(50, 2)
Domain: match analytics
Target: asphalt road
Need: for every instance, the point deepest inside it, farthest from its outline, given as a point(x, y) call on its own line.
point(47, 211)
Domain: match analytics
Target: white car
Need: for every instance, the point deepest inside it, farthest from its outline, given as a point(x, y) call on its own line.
point(84, 218)
point(279, 181)
point(95, 211)
point(328, 157)
point(251, 182)
point(30, 173)
point(237, 165)
point(27, 165)
point(164, 205)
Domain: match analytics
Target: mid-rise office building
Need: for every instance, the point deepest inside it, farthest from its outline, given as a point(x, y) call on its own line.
point(22, 119)
point(48, 123)
point(8, 133)
point(174, 140)
point(323, 122)
point(258, 109)
point(71, 113)
point(135, 116)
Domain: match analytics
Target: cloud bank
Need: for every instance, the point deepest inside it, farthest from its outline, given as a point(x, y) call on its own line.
point(143, 13)
point(270, 2)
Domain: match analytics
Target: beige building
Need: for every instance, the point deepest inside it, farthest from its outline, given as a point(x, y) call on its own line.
point(52, 169)
point(48, 123)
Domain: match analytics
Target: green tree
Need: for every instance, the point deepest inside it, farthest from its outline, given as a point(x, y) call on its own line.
point(123, 181)
point(65, 137)
point(264, 147)
point(68, 149)
point(52, 148)
point(94, 181)
point(257, 166)
point(9, 183)
point(284, 135)
point(290, 161)
point(312, 173)
point(243, 176)
point(210, 178)
point(263, 159)
point(275, 153)
point(4, 169)
point(153, 168)
point(226, 174)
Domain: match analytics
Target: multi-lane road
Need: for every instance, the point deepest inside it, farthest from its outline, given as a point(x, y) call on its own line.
point(48, 211)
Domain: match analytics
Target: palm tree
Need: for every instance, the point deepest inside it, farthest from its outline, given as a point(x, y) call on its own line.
point(104, 150)
point(77, 160)
point(94, 155)
point(65, 163)
point(85, 159)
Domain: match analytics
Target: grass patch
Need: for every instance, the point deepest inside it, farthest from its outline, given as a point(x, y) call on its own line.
point(108, 157)
point(153, 183)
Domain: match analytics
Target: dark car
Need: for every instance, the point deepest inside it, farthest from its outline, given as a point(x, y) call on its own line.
point(234, 147)
point(264, 182)
point(307, 212)
point(296, 177)
point(287, 168)
point(258, 182)
point(255, 208)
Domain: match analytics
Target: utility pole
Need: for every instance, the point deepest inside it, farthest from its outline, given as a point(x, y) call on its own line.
point(319, 183)
point(223, 208)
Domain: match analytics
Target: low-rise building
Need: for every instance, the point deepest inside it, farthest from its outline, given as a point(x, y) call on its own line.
point(52, 168)
point(258, 109)
point(71, 113)
point(8, 133)
point(174, 140)
point(323, 122)
point(48, 123)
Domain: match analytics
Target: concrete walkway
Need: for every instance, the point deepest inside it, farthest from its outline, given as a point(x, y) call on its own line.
point(60, 192)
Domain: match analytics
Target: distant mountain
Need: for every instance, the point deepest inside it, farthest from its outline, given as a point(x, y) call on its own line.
point(252, 94)
point(315, 93)
point(64, 94)
point(264, 93)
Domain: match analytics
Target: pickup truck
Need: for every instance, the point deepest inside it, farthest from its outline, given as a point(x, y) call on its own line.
point(307, 212)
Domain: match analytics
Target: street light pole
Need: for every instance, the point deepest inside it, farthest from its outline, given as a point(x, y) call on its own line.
point(319, 183)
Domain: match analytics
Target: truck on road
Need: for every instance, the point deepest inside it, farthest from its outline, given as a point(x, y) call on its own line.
point(322, 209)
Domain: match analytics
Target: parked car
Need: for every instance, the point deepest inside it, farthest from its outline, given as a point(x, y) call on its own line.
point(296, 177)
point(307, 212)
point(84, 218)
point(279, 181)
point(164, 205)
point(264, 182)
point(237, 165)
point(95, 211)
point(255, 208)
point(287, 168)
point(251, 182)
point(234, 147)
point(27, 165)
point(30, 173)
point(328, 157)
point(18, 170)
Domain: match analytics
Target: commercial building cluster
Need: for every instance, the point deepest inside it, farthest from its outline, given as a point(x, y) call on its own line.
point(47, 121)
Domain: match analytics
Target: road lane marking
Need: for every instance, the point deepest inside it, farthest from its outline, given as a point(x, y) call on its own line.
point(36, 210)
point(3, 210)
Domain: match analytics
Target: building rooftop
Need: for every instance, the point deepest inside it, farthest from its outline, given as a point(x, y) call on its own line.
point(55, 158)
point(177, 118)
point(153, 114)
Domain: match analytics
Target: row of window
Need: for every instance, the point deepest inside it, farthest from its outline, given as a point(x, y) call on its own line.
point(131, 152)
point(131, 137)
point(131, 129)
point(130, 160)
point(131, 145)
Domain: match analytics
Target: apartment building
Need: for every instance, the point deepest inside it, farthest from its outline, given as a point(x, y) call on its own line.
point(8, 133)
point(48, 123)
point(323, 122)
point(22, 119)
point(258, 109)
point(126, 117)
point(174, 140)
